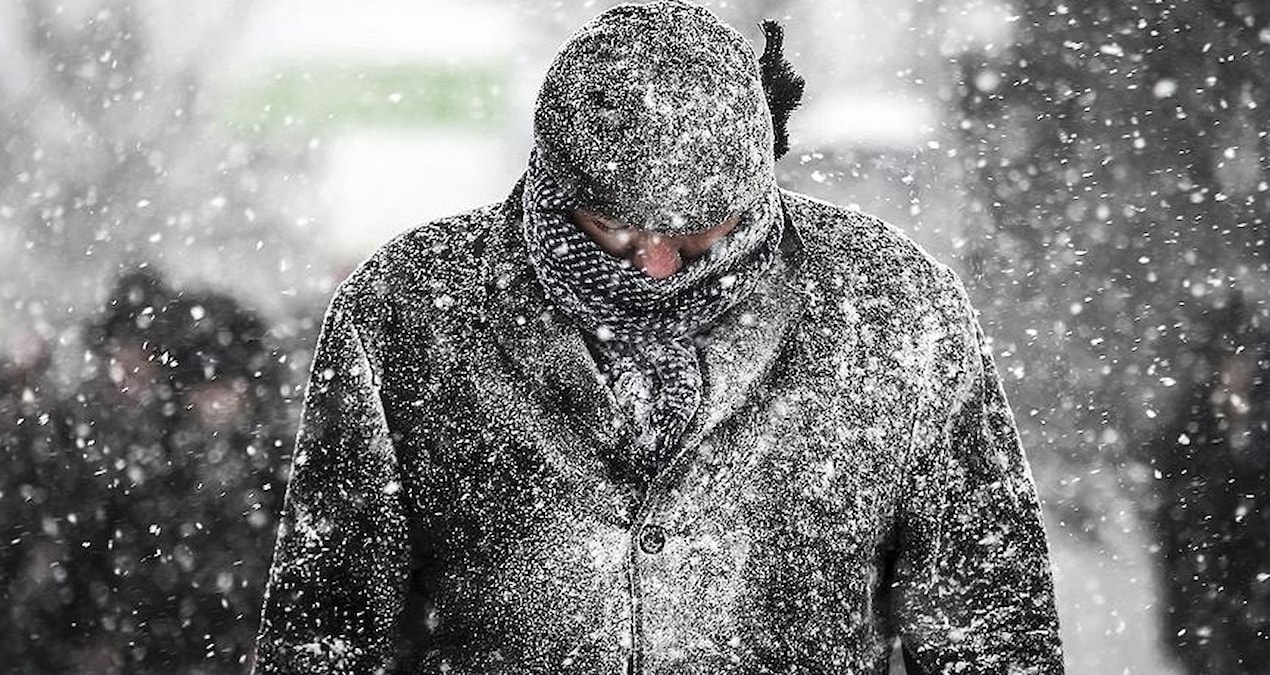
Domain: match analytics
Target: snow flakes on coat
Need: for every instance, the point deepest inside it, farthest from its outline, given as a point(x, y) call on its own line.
point(853, 475)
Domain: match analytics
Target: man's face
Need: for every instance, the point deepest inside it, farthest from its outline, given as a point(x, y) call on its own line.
point(653, 253)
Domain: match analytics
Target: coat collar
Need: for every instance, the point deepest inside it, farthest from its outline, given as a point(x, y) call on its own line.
point(547, 349)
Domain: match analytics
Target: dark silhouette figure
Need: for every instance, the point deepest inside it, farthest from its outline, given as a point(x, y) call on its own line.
point(157, 492)
point(1213, 512)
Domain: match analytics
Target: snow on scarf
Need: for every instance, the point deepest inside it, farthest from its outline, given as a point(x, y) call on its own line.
point(642, 329)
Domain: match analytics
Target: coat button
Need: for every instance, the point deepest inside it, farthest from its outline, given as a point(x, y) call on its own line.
point(652, 539)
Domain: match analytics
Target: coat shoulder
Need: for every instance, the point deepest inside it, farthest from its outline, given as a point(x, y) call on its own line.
point(436, 255)
point(857, 255)
point(886, 319)
point(428, 274)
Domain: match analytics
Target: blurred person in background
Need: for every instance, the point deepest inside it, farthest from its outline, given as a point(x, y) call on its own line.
point(233, 421)
point(654, 413)
point(191, 522)
point(1212, 513)
point(149, 547)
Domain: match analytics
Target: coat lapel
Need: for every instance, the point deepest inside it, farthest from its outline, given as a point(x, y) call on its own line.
point(738, 354)
point(537, 340)
point(549, 351)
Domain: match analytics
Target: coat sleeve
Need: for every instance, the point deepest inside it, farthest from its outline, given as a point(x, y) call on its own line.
point(336, 586)
point(973, 586)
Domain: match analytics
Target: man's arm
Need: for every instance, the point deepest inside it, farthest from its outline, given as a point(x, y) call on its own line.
point(336, 586)
point(973, 586)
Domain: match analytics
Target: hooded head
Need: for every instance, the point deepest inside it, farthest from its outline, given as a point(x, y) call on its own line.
point(655, 115)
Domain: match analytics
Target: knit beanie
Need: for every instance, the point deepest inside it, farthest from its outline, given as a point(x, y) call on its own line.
point(655, 114)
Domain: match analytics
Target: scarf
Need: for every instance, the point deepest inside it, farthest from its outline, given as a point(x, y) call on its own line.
point(642, 330)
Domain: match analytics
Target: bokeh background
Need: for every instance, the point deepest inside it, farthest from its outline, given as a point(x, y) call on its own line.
point(182, 185)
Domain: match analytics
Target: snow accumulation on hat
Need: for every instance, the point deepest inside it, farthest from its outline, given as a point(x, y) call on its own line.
point(655, 114)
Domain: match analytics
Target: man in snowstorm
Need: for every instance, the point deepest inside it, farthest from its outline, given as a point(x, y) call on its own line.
point(654, 413)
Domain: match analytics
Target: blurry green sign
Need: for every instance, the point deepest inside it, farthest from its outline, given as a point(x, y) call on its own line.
point(412, 94)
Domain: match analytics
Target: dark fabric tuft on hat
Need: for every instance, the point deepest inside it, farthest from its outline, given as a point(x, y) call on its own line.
point(655, 114)
point(783, 86)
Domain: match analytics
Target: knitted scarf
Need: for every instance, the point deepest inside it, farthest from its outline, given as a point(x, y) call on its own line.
point(640, 329)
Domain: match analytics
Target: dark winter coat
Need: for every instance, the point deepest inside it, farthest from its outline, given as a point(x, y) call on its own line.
point(854, 475)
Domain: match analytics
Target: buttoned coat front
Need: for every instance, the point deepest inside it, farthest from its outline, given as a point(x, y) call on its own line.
point(457, 503)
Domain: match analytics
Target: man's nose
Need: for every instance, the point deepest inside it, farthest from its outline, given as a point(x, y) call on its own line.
point(657, 256)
